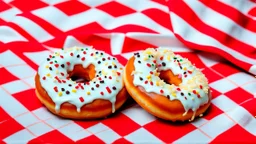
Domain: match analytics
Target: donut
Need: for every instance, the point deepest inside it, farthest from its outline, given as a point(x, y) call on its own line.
point(100, 94)
point(167, 85)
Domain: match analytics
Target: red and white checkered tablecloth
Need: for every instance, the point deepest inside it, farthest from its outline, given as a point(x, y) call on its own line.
point(30, 30)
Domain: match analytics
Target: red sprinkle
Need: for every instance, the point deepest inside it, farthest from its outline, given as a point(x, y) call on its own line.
point(161, 91)
point(108, 58)
point(198, 96)
point(51, 62)
point(185, 75)
point(50, 56)
point(110, 77)
point(91, 54)
point(108, 89)
point(56, 65)
point(68, 63)
point(178, 89)
point(201, 87)
point(55, 89)
point(148, 65)
point(62, 73)
point(87, 83)
point(97, 85)
point(194, 91)
point(81, 99)
point(57, 79)
point(146, 82)
point(63, 81)
point(185, 98)
point(161, 58)
point(159, 65)
point(81, 87)
point(190, 72)
point(99, 78)
point(151, 72)
point(151, 83)
point(77, 87)
point(84, 52)
point(102, 93)
point(118, 73)
point(44, 78)
point(83, 58)
point(154, 61)
point(61, 56)
point(71, 54)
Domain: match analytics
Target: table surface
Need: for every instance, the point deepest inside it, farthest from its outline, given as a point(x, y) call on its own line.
point(30, 32)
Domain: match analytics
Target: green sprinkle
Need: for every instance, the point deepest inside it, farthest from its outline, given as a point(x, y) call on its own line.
point(148, 56)
point(53, 56)
point(86, 48)
point(189, 94)
point(174, 58)
point(180, 59)
point(82, 49)
point(62, 48)
point(152, 64)
point(55, 61)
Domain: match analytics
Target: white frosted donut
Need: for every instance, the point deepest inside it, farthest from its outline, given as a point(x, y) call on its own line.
point(102, 94)
point(167, 85)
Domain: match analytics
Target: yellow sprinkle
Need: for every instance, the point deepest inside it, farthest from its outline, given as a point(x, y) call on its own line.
point(113, 63)
point(168, 57)
point(47, 66)
point(48, 74)
point(193, 98)
point(165, 50)
point(149, 77)
point(106, 63)
point(184, 68)
point(57, 72)
point(157, 83)
point(145, 58)
point(121, 68)
point(88, 93)
point(117, 80)
point(174, 94)
point(60, 93)
point(74, 90)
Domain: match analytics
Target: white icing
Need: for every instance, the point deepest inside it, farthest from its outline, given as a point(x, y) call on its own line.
point(191, 82)
point(92, 56)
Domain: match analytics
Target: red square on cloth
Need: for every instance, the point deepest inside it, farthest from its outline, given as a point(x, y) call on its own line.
point(8, 77)
point(9, 127)
point(117, 122)
point(236, 134)
point(225, 69)
point(4, 6)
point(212, 112)
point(167, 131)
point(90, 139)
point(29, 99)
point(116, 9)
point(239, 95)
point(28, 5)
point(122, 141)
point(72, 7)
point(52, 137)
point(3, 115)
point(211, 75)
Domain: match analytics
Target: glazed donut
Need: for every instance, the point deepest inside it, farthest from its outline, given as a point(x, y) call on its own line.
point(101, 94)
point(167, 85)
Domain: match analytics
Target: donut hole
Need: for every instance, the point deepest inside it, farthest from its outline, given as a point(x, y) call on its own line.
point(169, 78)
point(81, 74)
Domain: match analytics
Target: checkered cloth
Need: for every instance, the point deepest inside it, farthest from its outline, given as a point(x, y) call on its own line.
point(32, 30)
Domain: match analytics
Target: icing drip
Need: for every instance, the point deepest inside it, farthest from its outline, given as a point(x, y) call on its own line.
point(192, 92)
point(106, 84)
